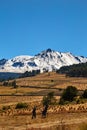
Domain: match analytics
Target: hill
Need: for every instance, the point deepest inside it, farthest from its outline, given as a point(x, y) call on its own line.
point(42, 84)
point(79, 70)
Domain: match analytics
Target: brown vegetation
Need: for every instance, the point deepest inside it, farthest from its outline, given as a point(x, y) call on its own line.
point(66, 117)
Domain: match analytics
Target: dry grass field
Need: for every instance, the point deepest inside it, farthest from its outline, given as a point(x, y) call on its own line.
point(67, 117)
point(71, 121)
point(53, 80)
point(43, 83)
point(58, 116)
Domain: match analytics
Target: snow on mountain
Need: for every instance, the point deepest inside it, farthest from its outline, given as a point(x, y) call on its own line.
point(46, 60)
point(2, 62)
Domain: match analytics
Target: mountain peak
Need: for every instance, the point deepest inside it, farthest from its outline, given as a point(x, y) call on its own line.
point(44, 52)
point(47, 59)
point(49, 50)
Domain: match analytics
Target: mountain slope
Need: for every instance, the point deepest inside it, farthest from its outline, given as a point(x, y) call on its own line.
point(46, 60)
point(76, 70)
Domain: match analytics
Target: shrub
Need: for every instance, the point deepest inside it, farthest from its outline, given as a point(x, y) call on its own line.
point(21, 105)
point(52, 80)
point(84, 95)
point(45, 101)
point(61, 101)
point(6, 107)
point(5, 83)
point(49, 99)
point(69, 93)
point(78, 101)
point(14, 84)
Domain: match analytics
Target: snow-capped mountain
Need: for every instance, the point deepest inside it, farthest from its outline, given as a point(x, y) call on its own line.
point(46, 60)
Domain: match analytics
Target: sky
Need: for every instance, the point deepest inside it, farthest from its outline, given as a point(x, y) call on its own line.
point(28, 27)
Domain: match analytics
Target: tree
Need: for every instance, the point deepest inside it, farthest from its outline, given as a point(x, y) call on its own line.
point(14, 84)
point(50, 96)
point(45, 101)
point(49, 99)
point(30, 73)
point(69, 93)
point(5, 83)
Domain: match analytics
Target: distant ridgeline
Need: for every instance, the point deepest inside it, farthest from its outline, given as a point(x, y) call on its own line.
point(9, 75)
point(76, 70)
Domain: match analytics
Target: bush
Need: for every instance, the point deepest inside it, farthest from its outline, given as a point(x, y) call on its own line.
point(49, 99)
point(84, 95)
point(14, 84)
point(21, 105)
point(52, 80)
point(45, 101)
point(5, 83)
point(69, 93)
point(5, 107)
point(61, 101)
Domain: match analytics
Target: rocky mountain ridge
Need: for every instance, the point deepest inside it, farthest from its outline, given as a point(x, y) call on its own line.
point(46, 60)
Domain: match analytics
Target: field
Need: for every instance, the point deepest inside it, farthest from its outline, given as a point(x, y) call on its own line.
point(42, 84)
point(53, 80)
point(31, 90)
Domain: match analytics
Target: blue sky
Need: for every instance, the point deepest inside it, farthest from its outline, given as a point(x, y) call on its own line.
point(30, 26)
